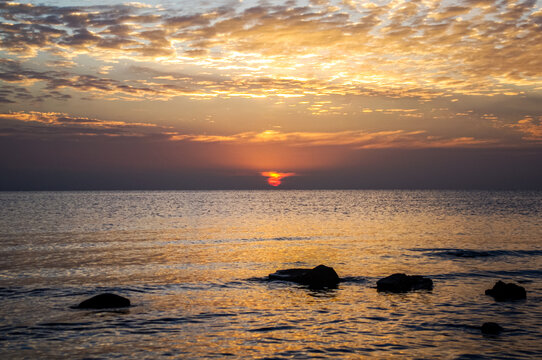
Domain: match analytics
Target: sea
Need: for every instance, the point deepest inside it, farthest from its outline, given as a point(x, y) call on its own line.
point(195, 263)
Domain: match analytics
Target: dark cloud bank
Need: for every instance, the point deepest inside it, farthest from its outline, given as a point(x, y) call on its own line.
point(119, 165)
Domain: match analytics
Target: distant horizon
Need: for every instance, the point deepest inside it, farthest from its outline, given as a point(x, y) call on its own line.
point(270, 190)
point(267, 188)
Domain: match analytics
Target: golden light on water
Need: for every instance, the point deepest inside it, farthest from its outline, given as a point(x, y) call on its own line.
point(274, 178)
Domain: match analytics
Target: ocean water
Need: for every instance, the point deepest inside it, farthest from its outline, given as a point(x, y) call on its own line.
point(194, 263)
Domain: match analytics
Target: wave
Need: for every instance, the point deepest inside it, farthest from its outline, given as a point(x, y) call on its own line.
point(469, 253)
point(520, 276)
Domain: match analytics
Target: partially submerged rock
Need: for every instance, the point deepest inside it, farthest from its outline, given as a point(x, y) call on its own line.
point(507, 291)
point(104, 301)
point(491, 328)
point(399, 283)
point(317, 278)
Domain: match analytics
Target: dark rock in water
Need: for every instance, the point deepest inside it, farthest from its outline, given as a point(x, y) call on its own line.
point(507, 291)
point(399, 283)
point(104, 301)
point(318, 278)
point(491, 328)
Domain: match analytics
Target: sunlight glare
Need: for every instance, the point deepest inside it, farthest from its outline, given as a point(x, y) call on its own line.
point(274, 178)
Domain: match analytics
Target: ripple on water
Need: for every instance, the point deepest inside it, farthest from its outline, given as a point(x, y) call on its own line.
point(194, 265)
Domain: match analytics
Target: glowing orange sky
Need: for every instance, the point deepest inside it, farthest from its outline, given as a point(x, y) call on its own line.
point(251, 85)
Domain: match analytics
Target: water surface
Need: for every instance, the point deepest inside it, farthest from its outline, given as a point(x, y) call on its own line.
point(193, 262)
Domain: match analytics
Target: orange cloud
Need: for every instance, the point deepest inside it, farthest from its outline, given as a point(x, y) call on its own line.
point(531, 128)
point(331, 50)
point(353, 139)
point(58, 125)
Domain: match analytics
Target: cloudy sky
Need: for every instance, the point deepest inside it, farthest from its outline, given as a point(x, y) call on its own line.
point(210, 94)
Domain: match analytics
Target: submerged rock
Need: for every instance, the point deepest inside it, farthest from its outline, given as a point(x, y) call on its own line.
point(491, 328)
point(317, 278)
point(399, 283)
point(104, 301)
point(507, 291)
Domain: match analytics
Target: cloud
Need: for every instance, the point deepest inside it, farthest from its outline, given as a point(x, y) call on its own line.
point(421, 49)
point(351, 139)
point(53, 125)
point(12, 71)
point(162, 85)
point(530, 127)
point(59, 125)
point(451, 11)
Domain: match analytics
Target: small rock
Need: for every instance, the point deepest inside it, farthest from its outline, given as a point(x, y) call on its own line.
point(491, 328)
point(317, 278)
point(399, 283)
point(507, 291)
point(104, 301)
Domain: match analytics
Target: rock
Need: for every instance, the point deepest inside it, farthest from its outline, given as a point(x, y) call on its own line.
point(399, 283)
point(104, 301)
point(491, 328)
point(318, 278)
point(507, 291)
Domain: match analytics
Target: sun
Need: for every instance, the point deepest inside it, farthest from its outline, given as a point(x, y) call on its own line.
point(274, 178)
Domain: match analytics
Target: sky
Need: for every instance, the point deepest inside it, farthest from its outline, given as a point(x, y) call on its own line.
point(214, 94)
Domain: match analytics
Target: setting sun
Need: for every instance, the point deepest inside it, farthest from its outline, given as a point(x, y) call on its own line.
point(274, 178)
